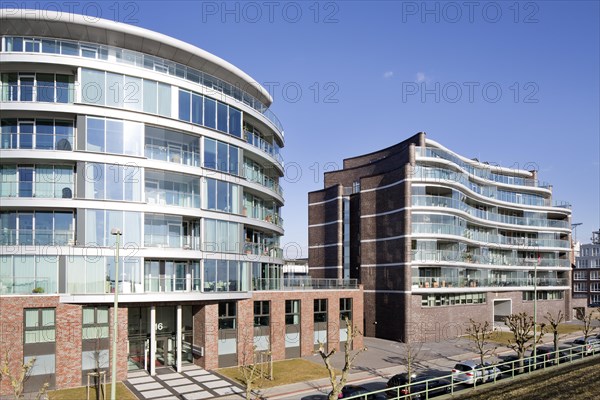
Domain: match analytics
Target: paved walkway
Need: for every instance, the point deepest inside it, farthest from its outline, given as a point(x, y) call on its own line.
point(192, 383)
point(382, 360)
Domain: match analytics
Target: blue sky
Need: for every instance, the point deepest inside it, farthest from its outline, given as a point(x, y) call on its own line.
point(509, 83)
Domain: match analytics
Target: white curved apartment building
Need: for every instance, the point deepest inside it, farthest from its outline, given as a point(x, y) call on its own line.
point(107, 125)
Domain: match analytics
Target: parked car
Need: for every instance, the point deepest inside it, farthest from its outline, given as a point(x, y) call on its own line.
point(511, 362)
point(546, 356)
point(354, 390)
point(588, 346)
point(470, 372)
point(422, 386)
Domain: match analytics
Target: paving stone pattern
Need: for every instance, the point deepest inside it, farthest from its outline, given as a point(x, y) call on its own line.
point(192, 383)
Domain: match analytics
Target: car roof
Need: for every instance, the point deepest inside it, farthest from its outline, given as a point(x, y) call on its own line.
point(469, 363)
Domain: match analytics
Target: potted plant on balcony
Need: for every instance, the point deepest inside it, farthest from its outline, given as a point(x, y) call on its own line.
point(38, 289)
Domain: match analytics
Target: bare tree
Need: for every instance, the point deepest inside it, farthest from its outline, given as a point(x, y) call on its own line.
point(17, 382)
point(252, 369)
point(554, 322)
point(410, 357)
point(587, 328)
point(522, 327)
point(338, 383)
point(481, 335)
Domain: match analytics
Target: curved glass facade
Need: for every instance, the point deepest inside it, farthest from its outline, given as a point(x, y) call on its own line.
point(182, 172)
point(480, 226)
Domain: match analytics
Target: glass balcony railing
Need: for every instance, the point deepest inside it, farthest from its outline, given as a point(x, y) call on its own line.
point(485, 173)
point(487, 238)
point(453, 177)
point(177, 156)
point(458, 282)
point(302, 283)
point(260, 249)
point(252, 175)
point(38, 93)
point(262, 214)
point(28, 285)
point(449, 256)
point(165, 284)
point(214, 85)
point(440, 201)
point(172, 198)
point(36, 237)
point(172, 241)
point(263, 145)
point(42, 189)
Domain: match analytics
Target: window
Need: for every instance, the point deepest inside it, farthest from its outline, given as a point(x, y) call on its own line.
point(39, 325)
point(437, 300)
point(292, 312)
point(261, 313)
point(320, 310)
point(40, 87)
point(221, 236)
point(224, 276)
point(95, 322)
point(580, 287)
point(106, 135)
point(38, 228)
point(112, 182)
point(42, 134)
point(221, 196)
point(580, 275)
point(544, 295)
point(227, 315)
point(221, 156)
point(346, 309)
point(50, 181)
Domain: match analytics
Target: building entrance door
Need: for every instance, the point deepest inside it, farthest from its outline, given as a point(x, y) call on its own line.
point(165, 351)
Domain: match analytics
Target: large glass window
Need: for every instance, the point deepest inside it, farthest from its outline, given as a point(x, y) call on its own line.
point(163, 230)
point(100, 222)
point(224, 276)
point(106, 135)
point(39, 227)
point(113, 182)
point(173, 189)
point(28, 274)
point(41, 87)
point(221, 196)
point(50, 181)
point(221, 236)
point(41, 134)
point(221, 156)
point(208, 112)
point(95, 322)
point(124, 91)
point(172, 146)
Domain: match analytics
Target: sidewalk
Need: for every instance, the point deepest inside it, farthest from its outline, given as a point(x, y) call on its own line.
point(383, 360)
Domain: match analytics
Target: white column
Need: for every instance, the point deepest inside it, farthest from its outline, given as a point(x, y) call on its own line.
point(179, 337)
point(152, 340)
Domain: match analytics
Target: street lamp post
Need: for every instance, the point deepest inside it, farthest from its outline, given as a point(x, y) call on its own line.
point(113, 388)
point(535, 311)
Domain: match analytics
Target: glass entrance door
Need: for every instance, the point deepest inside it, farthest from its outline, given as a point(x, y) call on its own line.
point(165, 351)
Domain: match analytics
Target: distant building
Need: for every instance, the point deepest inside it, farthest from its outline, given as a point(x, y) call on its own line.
point(437, 238)
point(586, 274)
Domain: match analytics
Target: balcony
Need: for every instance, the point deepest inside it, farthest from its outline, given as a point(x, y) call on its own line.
point(440, 201)
point(172, 241)
point(262, 214)
point(303, 283)
point(166, 284)
point(27, 285)
point(261, 249)
point(458, 282)
point(168, 154)
point(260, 143)
point(58, 93)
point(446, 256)
point(37, 237)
